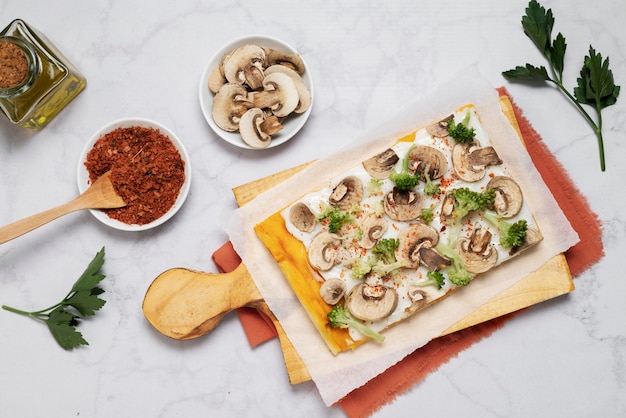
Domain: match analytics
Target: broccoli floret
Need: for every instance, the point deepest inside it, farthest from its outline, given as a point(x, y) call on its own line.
point(460, 131)
point(404, 180)
point(374, 187)
point(428, 214)
point(382, 269)
point(360, 266)
point(336, 218)
point(352, 232)
point(385, 249)
point(340, 317)
point(457, 273)
point(378, 208)
point(512, 234)
point(431, 189)
point(466, 200)
point(433, 278)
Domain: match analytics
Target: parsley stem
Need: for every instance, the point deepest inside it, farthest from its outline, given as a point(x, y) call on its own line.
point(35, 315)
point(597, 128)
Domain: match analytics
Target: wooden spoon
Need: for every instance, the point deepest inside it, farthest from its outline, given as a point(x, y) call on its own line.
point(100, 195)
point(185, 304)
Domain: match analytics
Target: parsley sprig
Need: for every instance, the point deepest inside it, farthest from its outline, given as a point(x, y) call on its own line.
point(595, 86)
point(82, 300)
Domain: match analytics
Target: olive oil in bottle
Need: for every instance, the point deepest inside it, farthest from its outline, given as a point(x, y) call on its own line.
point(36, 80)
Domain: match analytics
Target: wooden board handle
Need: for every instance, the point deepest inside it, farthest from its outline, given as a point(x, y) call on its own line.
point(185, 304)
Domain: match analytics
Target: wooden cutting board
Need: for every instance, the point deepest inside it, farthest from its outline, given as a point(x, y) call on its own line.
point(184, 304)
point(551, 280)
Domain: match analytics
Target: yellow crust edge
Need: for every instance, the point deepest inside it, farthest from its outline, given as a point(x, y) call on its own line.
point(293, 261)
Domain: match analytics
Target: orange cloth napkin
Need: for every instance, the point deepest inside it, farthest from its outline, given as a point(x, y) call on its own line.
point(364, 401)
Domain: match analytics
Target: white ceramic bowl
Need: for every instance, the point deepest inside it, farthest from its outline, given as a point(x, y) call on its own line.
point(83, 174)
point(292, 124)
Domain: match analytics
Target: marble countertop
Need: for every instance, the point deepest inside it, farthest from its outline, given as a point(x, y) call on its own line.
point(565, 357)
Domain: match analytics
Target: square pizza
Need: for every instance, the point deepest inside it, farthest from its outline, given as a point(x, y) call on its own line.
point(384, 240)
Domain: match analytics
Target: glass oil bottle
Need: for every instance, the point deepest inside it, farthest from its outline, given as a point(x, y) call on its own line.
point(49, 84)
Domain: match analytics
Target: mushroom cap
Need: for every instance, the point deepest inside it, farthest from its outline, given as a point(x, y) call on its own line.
point(509, 199)
point(402, 205)
point(234, 63)
point(440, 128)
point(477, 251)
point(301, 217)
point(431, 258)
point(371, 302)
point(332, 290)
point(346, 193)
point(250, 129)
point(229, 105)
point(216, 80)
point(480, 158)
point(277, 57)
point(426, 159)
point(462, 167)
point(279, 94)
point(380, 165)
point(373, 228)
point(470, 160)
point(446, 215)
point(414, 238)
point(304, 95)
point(418, 299)
point(322, 252)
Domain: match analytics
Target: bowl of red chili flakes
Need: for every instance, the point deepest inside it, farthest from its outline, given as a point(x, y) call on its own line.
point(149, 167)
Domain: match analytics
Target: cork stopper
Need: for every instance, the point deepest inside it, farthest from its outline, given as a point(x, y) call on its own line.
point(13, 65)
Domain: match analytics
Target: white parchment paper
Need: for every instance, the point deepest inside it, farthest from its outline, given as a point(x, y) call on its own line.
point(336, 376)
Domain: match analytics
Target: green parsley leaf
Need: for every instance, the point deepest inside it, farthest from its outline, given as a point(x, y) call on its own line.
point(85, 302)
point(63, 317)
point(595, 86)
point(528, 72)
point(62, 326)
point(538, 23)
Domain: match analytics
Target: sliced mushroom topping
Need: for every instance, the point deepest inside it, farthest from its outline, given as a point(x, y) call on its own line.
point(373, 228)
point(533, 236)
point(402, 205)
point(509, 198)
point(229, 105)
point(348, 192)
point(380, 165)
point(323, 251)
point(332, 290)
point(276, 57)
point(279, 94)
point(483, 157)
point(446, 215)
point(256, 129)
point(216, 80)
point(477, 251)
point(424, 159)
point(470, 161)
point(243, 65)
point(439, 129)
point(418, 299)
point(301, 217)
point(371, 302)
point(413, 239)
point(431, 258)
point(304, 95)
